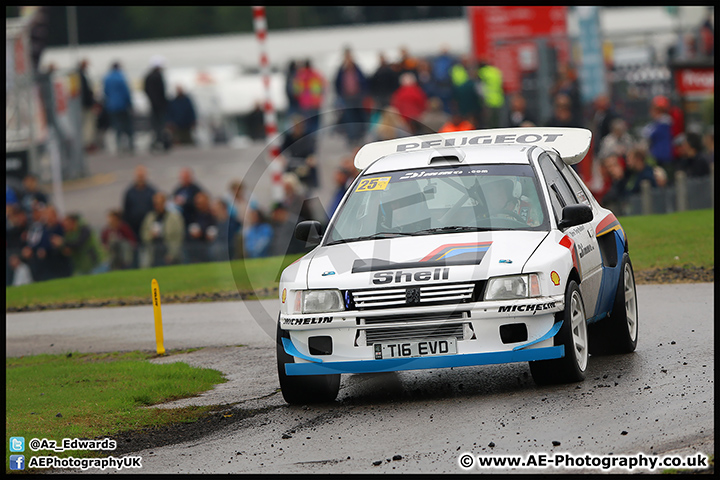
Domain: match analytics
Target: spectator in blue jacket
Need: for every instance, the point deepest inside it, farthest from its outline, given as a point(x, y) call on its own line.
point(31, 244)
point(202, 231)
point(257, 235)
point(31, 193)
point(52, 261)
point(10, 197)
point(441, 66)
point(138, 200)
point(184, 194)
point(223, 248)
point(181, 116)
point(658, 134)
point(637, 171)
point(118, 104)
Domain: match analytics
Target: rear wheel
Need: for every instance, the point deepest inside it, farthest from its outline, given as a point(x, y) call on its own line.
point(619, 332)
point(574, 337)
point(303, 389)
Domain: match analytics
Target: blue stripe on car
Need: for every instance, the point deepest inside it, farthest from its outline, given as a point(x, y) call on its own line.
point(550, 333)
point(609, 282)
point(421, 363)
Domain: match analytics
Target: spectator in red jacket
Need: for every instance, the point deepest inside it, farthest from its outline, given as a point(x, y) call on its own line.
point(677, 127)
point(309, 87)
point(410, 100)
point(119, 241)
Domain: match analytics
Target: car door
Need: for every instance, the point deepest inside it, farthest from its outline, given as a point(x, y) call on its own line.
point(610, 246)
point(581, 238)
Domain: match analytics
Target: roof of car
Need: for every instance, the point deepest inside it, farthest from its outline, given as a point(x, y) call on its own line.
point(429, 158)
point(572, 144)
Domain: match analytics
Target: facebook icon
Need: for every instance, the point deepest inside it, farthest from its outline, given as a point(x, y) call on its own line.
point(17, 462)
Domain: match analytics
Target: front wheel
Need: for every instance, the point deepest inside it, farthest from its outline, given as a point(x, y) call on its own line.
point(574, 337)
point(303, 389)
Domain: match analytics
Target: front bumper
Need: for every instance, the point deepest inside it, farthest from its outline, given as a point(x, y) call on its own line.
point(481, 343)
point(421, 363)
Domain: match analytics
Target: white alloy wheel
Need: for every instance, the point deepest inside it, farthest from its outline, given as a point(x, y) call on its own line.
point(579, 330)
point(630, 302)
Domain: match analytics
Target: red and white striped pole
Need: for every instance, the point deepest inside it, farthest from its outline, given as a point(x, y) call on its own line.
point(271, 130)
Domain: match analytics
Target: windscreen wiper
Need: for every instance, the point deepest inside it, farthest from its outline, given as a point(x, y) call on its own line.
point(452, 228)
point(371, 237)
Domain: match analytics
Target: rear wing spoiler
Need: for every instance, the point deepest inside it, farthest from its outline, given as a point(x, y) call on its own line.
point(572, 144)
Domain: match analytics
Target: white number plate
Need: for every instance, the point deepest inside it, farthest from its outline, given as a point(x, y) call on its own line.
point(416, 348)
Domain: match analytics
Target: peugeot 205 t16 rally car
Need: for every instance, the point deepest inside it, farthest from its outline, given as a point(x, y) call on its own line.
point(458, 249)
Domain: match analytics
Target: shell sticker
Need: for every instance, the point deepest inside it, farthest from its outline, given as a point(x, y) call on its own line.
point(555, 278)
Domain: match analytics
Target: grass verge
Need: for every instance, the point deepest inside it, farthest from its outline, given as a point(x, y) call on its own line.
point(258, 274)
point(84, 395)
point(656, 242)
point(671, 240)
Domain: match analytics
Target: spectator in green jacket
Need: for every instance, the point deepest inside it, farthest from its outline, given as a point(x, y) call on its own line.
point(493, 94)
point(162, 233)
point(465, 97)
point(81, 245)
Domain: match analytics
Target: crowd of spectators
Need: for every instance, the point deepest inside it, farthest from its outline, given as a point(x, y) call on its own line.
point(414, 95)
point(411, 96)
point(660, 150)
point(109, 107)
point(445, 93)
point(151, 228)
point(42, 245)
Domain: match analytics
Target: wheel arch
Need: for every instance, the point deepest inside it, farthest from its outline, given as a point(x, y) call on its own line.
point(574, 275)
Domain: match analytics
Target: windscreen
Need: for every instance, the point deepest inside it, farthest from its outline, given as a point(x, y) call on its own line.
point(443, 199)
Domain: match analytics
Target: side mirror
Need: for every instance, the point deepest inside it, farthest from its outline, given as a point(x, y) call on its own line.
point(575, 215)
point(309, 231)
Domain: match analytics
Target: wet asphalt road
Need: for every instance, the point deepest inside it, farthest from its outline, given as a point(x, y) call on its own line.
point(658, 400)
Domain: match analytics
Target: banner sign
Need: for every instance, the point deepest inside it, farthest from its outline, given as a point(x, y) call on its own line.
point(696, 81)
point(498, 34)
point(592, 66)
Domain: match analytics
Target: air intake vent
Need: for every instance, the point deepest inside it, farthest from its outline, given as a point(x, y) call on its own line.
point(446, 156)
point(445, 159)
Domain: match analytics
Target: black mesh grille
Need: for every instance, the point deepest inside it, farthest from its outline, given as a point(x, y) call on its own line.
point(414, 318)
point(377, 335)
point(429, 295)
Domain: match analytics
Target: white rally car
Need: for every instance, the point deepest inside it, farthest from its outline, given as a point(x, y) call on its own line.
point(448, 250)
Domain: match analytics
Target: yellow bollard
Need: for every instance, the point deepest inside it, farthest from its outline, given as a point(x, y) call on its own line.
point(158, 317)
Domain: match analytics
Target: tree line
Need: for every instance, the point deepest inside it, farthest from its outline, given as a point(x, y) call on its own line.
point(103, 24)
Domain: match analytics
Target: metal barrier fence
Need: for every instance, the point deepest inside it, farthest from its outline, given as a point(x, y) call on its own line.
point(685, 194)
point(63, 106)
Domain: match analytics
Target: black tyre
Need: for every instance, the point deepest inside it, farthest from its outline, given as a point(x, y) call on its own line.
point(619, 332)
point(303, 389)
point(574, 337)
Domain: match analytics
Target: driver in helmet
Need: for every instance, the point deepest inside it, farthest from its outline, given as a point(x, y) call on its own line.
point(505, 200)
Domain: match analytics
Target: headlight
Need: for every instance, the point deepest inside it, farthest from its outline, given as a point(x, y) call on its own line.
point(512, 287)
point(322, 301)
